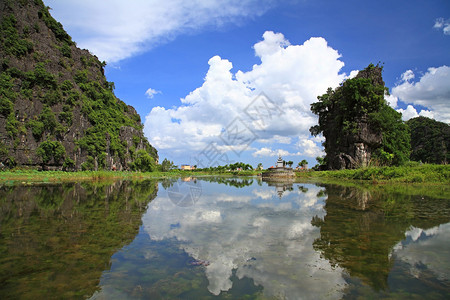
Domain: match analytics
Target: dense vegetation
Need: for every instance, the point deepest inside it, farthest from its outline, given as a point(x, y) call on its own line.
point(356, 112)
point(52, 93)
point(411, 172)
point(430, 140)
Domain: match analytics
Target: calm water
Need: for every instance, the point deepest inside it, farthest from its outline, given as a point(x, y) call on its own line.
point(225, 238)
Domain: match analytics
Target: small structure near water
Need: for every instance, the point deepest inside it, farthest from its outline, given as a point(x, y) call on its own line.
point(280, 171)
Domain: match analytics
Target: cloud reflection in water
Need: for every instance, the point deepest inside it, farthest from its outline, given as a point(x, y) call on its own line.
point(254, 232)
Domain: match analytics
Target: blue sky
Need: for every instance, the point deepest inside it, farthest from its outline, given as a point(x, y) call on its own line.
point(200, 72)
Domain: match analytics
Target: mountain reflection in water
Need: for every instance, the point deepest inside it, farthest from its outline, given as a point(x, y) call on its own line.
point(57, 239)
point(235, 238)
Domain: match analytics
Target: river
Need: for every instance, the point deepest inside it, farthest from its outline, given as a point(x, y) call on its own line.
point(223, 238)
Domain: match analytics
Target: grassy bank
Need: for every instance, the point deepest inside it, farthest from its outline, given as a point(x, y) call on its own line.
point(25, 176)
point(410, 173)
point(60, 176)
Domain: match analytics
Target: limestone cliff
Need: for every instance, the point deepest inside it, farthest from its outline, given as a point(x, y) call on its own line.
point(359, 126)
point(56, 107)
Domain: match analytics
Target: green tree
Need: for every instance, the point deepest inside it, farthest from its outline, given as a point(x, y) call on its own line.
point(290, 163)
point(49, 150)
point(430, 140)
point(303, 163)
point(167, 165)
point(355, 117)
point(143, 162)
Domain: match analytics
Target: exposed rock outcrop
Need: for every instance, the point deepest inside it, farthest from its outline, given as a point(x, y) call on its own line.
point(358, 125)
point(52, 91)
point(353, 150)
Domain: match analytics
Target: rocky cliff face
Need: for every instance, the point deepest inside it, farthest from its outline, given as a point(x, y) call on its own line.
point(353, 150)
point(56, 107)
point(351, 120)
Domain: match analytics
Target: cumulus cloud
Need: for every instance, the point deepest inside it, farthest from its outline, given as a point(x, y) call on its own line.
point(310, 148)
point(264, 152)
point(150, 93)
point(443, 24)
point(408, 113)
point(271, 102)
point(122, 29)
point(391, 100)
point(268, 152)
point(411, 112)
point(408, 75)
point(431, 91)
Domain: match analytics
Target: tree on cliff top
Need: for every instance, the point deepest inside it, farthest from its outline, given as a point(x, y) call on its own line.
point(358, 125)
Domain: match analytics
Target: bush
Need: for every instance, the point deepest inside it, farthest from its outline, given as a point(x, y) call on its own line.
point(10, 39)
point(12, 126)
point(143, 162)
point(6, 106)
point(69, 164)
point(37, 128)
point(49, 150)
point(88, 165)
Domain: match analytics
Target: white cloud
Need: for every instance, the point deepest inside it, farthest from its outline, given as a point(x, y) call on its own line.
point(443, 24)
point(431, 91)
point(309, 148)
point(277, 139)
point(267, 152)
point(408, 75)
point(427, 113)
point(353, 74)
point(291, 77)
point(410, 112)
point(122, 29)
point(391, 100)
point(264, 152)
point(150, 93)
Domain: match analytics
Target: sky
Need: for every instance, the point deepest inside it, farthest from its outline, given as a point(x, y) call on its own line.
point(217, 82)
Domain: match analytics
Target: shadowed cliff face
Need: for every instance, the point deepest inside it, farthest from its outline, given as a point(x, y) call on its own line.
point(50, 90)
point(354, 149)
point(57, 239)
point(359, 126)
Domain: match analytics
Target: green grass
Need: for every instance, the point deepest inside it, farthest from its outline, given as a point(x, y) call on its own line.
point(409, 173)
point(25, 176)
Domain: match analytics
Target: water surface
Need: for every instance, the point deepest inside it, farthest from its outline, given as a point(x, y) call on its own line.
point(226, 238)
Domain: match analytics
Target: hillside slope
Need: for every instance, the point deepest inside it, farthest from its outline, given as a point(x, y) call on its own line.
point(430, 140)
point(57, 110)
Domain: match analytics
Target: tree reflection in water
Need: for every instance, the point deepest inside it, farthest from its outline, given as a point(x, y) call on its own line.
point(57, 239)
point(362, 227)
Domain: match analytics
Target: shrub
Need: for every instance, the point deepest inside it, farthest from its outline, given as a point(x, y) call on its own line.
point(10, 40)
point(37, 128)
point(69, 164)
point(143, 162)
point(49, 150)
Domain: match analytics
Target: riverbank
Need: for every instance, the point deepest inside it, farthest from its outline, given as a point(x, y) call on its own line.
point(25, 176)
point(410, 173)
